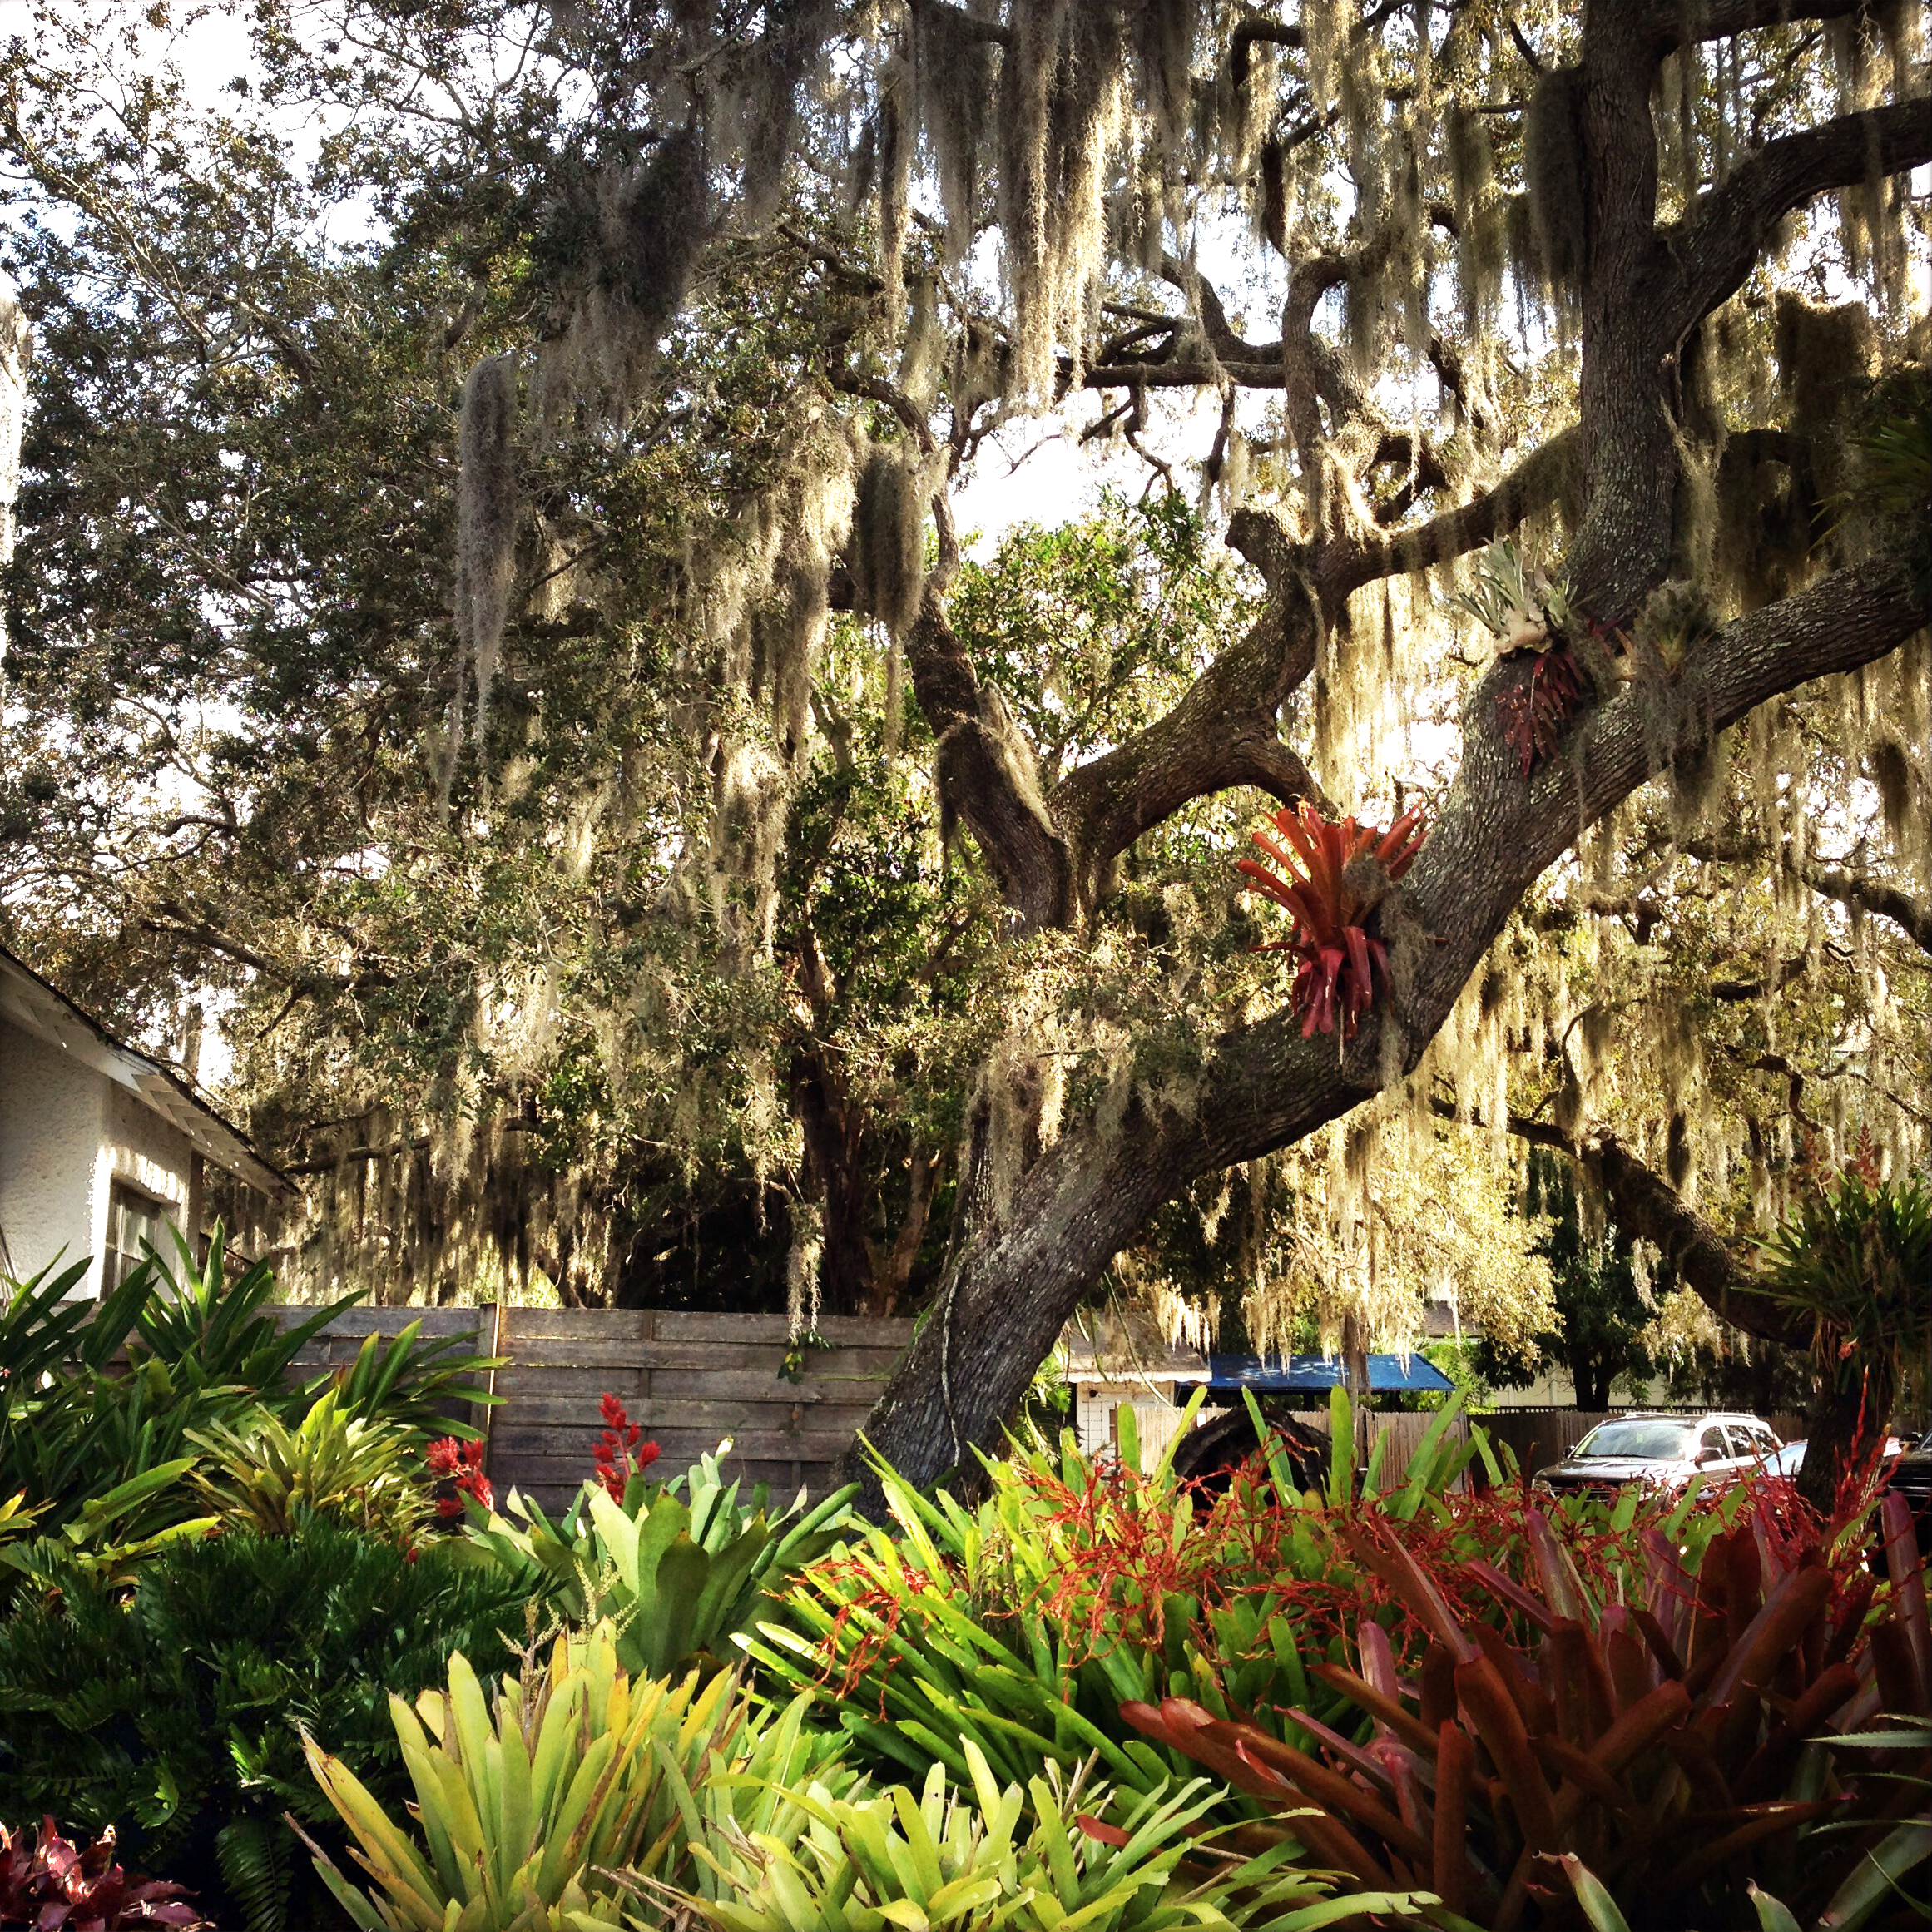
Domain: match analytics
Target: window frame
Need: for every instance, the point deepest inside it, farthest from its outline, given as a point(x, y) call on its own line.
point(117, 1261)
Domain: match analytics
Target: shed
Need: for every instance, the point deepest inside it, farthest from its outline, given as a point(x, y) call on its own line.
point(103, 1146)
point(1316, 1374)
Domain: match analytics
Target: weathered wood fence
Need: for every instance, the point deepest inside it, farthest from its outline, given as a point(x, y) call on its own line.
point(1400, 1431)
point(690, 1380)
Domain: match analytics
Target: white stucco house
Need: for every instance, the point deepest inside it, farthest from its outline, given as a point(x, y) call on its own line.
point(101, 1145)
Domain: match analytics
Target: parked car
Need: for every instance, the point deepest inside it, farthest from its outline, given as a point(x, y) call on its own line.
point(1663, 1452)
point(1911, 1477)
point(1790, 1459)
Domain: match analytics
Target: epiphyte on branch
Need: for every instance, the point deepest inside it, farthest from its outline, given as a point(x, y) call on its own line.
point(1522, 607)
point(1332, 877)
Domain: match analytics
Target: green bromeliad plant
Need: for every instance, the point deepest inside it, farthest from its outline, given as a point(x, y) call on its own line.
point(682, 1568)
point(1037, 1860)
point(97, 1454)
point(266, 1473)
point(1022, 1625)
point(541, 1811)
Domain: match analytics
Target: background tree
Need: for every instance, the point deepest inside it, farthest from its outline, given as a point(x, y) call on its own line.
point(1602, 1308)
point(725, 306)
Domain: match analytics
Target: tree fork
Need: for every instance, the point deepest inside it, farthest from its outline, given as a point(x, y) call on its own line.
point(1014, 1283)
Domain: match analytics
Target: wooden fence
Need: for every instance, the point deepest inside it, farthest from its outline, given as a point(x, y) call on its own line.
point(1401, 1433)
point(690, 1380)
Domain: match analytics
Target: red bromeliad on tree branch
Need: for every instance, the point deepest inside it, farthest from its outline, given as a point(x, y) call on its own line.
point(1330, 898)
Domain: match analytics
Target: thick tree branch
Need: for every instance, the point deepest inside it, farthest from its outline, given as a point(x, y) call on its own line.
point(1913, 917)
point(1533, 485)
point(986, 772)
point(1645, 1206)
point(1670, 25)
point(1261, 1087)
point(1223, 733)
point(1716, 249)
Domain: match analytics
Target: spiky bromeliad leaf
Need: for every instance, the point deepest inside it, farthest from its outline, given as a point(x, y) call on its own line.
point(1855, 1258)
point(1533, 713)
point(1319, 884)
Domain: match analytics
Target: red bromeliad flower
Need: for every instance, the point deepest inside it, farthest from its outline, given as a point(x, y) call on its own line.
point(1342, 962)
point(460, 1464)
point(622, 1450)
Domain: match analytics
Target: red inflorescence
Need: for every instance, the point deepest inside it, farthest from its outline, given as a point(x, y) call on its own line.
point(1342, 962)
point(1131, 1558)
point(459, 1466)
point(621, 1451)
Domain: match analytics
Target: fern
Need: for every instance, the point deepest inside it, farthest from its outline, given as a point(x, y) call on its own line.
point(177, 1715)
point(253, 1853)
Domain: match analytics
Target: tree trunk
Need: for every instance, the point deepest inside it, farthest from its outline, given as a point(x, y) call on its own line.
point(1017, 1276)
point(1845, 1427)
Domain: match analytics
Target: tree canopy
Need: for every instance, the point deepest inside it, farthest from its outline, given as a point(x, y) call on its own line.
point(489, 627)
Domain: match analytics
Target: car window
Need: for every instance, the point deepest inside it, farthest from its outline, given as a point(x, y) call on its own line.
point(1713, 1440)
point(1647, 1438)
point(1744, 1443)
point(1767, 1444)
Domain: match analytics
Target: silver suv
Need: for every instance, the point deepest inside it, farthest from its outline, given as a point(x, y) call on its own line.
point(1663, 1452)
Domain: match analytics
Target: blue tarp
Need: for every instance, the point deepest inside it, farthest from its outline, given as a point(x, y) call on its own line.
point(1315, 1374)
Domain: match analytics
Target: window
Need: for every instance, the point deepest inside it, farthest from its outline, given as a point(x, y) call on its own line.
point(1646, 1439)
point(1714, 1445)
point(132, 1220)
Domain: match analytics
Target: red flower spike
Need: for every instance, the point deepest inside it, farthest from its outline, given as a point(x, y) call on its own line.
point(1342, 964)
point(443, 1455)
point(620, 1451)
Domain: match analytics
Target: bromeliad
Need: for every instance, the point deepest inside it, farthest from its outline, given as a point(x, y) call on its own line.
point(1334, 876)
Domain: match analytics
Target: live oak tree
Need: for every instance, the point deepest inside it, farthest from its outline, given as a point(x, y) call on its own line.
point(723, 302)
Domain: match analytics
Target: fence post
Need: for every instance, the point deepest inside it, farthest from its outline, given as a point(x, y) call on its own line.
point(496, 1325)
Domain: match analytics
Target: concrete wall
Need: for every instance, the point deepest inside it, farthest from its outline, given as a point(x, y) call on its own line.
point(67, 1134)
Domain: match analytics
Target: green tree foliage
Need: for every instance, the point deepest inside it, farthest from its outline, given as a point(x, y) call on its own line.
point(1603, 1311)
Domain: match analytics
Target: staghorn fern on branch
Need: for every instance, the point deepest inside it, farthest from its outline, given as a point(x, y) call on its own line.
point(1524, 609)
point(1521, 606)
point(1325, 889)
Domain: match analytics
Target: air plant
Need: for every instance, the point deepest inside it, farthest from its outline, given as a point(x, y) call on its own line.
point(1524, 609)
point(1330, 889)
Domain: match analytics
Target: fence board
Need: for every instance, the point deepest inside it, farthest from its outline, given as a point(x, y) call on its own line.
point(689, 1380)
point(1402, 1432)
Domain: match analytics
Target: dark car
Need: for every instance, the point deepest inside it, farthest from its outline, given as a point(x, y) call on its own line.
point(1661, 1451)
point(1911, 1477)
